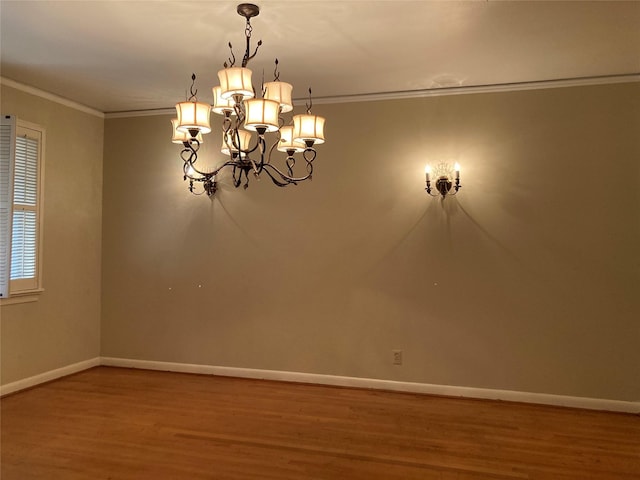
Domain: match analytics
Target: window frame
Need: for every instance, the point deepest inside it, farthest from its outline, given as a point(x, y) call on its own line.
point(26, 289)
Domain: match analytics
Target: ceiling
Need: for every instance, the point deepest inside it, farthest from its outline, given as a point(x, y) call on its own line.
point(118, 56)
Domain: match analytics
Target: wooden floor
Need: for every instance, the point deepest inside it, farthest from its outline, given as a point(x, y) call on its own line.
point(112, 423)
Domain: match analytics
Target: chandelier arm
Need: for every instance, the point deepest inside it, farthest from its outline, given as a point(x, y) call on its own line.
point(240, 115)
point(250, 150)
point(193, 156)
point(259, 167)
point(310, 159)
point(237, 174)
point(290, 165)
point(227, 127)
point(235, 142)
point(286, 177)
point(230, 163)
point(275, 144)
point(188, 152)
point(287, 180)
point(254, 166)
point(290, 162)
point(291, 178)
point(190, 165)
point(261, 144)
point(187, 174)
point(226, 122)
point(246, 176)
point(236, 180)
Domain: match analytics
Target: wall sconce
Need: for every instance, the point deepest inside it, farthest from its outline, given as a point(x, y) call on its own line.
point(444, 175)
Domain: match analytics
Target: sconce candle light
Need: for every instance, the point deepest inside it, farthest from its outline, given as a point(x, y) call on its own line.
point(446, 179)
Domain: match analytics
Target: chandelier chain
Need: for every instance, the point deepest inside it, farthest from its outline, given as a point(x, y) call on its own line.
point(247, 54)
point(248, 29)
point(247, 33)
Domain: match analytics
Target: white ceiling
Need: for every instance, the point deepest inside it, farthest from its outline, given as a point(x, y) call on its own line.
point(137, 55)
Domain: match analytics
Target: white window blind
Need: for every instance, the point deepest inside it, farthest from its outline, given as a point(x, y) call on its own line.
point(24, 238)
point(7, 149)
point(21, 169)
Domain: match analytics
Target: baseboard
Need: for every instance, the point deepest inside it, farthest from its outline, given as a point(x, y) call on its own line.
point(320, 379)
point(410, 387)
point(48, 376)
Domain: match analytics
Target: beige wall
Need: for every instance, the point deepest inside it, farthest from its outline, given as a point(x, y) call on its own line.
point(528, 280)
point(63, 327)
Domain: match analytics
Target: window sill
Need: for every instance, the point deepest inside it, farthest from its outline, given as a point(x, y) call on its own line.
point(23, 297)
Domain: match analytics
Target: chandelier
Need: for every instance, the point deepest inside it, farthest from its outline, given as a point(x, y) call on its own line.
point(243, 114)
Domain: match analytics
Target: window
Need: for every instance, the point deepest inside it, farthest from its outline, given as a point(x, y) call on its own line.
point(21, 168)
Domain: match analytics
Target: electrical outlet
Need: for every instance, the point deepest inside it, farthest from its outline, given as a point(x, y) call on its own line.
point(397, 357)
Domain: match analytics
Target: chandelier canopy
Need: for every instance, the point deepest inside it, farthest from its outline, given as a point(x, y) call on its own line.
point(243, 114)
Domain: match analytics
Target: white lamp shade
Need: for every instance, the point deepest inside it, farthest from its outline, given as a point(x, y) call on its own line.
point(180, 136)
point(261, 113)
point(287, 143)
point(281, 93)
point(228, 139)
point(308, 127)
point(235, 81)
point(193, 115)
point(221, 105)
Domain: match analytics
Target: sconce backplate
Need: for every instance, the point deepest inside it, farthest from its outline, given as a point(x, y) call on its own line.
point(443, 185)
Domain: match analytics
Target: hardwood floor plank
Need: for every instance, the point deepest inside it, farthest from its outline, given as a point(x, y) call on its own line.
point(112, 423)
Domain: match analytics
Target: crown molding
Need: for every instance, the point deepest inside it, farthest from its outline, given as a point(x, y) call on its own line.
point(50, 96)
point(141, 113)
point(431, 92)
point(365, 97)
point(475, 89)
